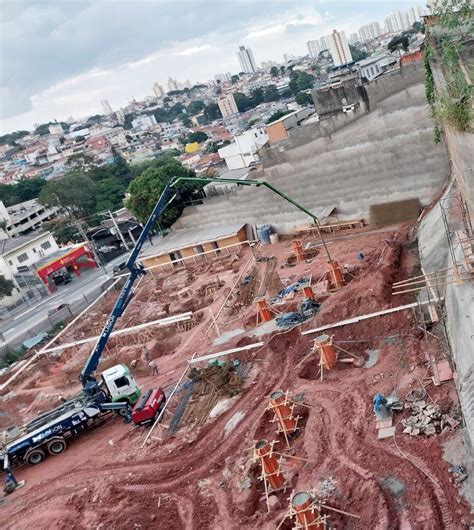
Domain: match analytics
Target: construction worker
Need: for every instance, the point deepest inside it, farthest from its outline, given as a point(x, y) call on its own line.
point(152, 367)
point(380, 407)
point(10, 483)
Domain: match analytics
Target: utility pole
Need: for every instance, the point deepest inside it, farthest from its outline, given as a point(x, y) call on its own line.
point(119, 233)
point(97, 258)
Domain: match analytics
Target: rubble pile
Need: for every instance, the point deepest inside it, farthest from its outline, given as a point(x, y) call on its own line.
point(427, 418)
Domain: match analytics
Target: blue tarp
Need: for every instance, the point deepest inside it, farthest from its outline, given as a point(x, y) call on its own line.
point(35, 340)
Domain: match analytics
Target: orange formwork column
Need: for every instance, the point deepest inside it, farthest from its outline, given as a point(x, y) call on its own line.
point(306, 513)
point(308, 292)
point(335, 276)
point(264, 313)
point(298, 250)
point(327, 351)
point(283, 409)
point(270, 466)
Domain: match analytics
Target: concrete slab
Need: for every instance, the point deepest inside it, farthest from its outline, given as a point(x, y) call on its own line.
point(382, 424)
point(386, 432)
point(373, 357)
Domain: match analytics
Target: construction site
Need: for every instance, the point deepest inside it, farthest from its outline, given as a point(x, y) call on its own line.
point(317, 371)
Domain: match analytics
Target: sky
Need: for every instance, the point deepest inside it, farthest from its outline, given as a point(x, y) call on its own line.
point(60, 58)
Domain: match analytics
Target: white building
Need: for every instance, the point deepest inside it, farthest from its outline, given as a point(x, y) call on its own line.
point(17, 258)
point(246, 60)
point(372, 67)
point(107, 109)
point(24, 217)
point(397, 22)
point(353, 38)
point(244, 151)
point(324, 43)
point(314, 47)
point(172, 85)
point(339, 48)
point(120, 115)
point(414, 14)
point(227, 105)
point(370, 31)
point(56, 128)
point(158, 90)
point(142, 123)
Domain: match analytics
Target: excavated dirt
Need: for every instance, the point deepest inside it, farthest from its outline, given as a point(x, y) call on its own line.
point(205, 478)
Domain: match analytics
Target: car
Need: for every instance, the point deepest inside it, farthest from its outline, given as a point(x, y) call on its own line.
point(120, 267)
point(55, 309)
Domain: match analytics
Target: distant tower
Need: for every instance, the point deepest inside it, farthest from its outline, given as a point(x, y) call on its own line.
point(158, 90)
point(106, 107)
point(314, 48)
point(338, 48)
point(246, 60)
point(172, 85)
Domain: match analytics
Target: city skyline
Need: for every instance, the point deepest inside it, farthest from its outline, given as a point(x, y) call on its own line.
point(44, 89)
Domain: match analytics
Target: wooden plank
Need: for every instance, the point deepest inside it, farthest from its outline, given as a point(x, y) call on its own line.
point(368, 316)
point(224, 353)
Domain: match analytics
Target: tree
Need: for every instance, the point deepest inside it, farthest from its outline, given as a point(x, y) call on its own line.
point(399, 42)
point(63, 231)
point(11, 137)
point(300, 81)
point(357, 54)
point(80, 161)
point(23, 190)
point(234, 79)
point(271, 93)
point(242, 101)
point(277, 115)
point(186, 121)
point(110, 193)
point(212, 112)
point(282, 69)
point(256, 97)
point(6, 287)
point(145, 190)
point(274, 72)
point(197, 136)
point(304, 98)
point(195, 107)
point(74, 193)
point(418, 27)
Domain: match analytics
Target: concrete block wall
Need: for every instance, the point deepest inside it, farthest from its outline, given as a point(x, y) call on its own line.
point(383, 156)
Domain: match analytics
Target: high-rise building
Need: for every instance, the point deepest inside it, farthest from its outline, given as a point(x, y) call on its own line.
point(227, 105)
point(223, 77)
point(324, 43)
point(338, 48)
point(106, 107)
point(172, 85)
point(353, 38)
point(370, 31)
point(246, 60)
point(414, 14)
point(158, 90)
point(120, 115)
point(397, 22)
point(314, 47)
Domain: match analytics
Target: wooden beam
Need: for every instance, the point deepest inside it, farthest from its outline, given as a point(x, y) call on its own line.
point(224, 353)
point(368, 316)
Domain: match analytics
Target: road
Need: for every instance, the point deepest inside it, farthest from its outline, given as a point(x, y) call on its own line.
point(78, 294)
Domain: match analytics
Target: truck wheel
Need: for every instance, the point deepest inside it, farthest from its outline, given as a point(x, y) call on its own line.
point(35, 457)
point(123, 413)
point(55, 447)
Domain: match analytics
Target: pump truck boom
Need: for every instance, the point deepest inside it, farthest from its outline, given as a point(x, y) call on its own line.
point(116, 390)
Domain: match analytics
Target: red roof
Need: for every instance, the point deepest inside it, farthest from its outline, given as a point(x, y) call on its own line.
point(97, 143)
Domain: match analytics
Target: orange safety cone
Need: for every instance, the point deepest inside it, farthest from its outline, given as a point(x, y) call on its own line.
point(306, 512)
point(264, 313)
point(270, 467)
point(298, 250)
point(335, 276)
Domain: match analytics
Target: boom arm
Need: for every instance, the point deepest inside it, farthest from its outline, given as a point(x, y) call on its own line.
point(87, 379)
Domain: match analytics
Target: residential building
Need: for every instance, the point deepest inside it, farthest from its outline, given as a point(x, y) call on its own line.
point(120, 115)
point(414, 14)
point(144, 122)
point(397, 22)
point(227, 105)
point(244, 150)
point(223, 77)
point(370, 31)
point(353, 38)
point(23, 218)
point(339, 48)
point(372, 67)
point(278, 130)
point(314, 47)
point(107, 109)
point(158, 90)
point(56, 128)
point(172, 85)
point(18, 256)
point(324, 43)
point(246, 60)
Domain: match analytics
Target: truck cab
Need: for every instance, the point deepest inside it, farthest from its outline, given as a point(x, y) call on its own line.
point(121, 384)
